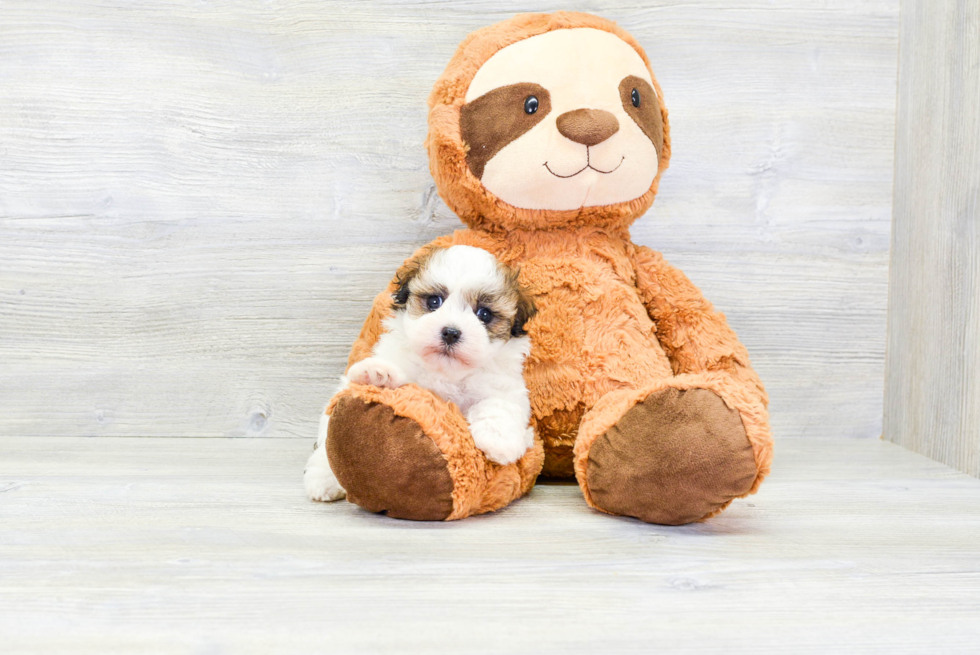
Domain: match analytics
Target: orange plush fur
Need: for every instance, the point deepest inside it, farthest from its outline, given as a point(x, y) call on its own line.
point(615, 322)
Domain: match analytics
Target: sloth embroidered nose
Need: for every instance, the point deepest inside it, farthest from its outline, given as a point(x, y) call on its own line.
point(588, 126)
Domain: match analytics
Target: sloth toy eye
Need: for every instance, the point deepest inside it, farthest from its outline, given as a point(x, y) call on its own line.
point(635, 97)
point(484, 314)
point(530, 105)
point(433, 303)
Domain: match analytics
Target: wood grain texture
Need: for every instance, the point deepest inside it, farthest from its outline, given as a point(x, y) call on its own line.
point(208, 545)
point(933, 382)
point(198, 201)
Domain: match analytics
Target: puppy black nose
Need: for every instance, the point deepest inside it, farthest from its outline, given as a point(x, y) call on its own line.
point(450, 335)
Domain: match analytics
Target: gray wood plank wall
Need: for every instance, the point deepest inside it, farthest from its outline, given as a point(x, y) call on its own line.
point(199, 200)
point(933, 385)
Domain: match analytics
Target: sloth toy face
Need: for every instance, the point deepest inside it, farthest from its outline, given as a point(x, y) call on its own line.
point(548, 121)
point(563, 120)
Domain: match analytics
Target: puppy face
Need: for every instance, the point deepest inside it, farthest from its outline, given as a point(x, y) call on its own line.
point(458, 306)
point(564, 120)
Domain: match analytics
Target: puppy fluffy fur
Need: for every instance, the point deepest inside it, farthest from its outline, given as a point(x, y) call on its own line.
point(457, 329)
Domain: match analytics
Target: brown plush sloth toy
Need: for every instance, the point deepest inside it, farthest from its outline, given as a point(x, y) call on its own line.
point(547, 136)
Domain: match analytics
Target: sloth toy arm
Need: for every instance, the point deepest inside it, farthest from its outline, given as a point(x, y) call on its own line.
point(695, 337)
point(373, 327)
point(703, 350)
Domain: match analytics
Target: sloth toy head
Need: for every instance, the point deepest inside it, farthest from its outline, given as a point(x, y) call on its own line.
point(548, 120)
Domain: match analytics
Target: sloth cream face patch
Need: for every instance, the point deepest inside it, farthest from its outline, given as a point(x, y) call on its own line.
point(563, 120)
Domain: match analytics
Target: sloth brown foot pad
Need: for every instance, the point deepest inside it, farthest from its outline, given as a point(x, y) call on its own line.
point(674, 458)
point(387, 463)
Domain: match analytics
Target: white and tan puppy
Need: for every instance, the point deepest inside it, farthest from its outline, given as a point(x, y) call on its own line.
point(458, 330)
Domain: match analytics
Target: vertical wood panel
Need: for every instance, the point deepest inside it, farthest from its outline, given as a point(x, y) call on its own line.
point(933, 381)
point(199, 200)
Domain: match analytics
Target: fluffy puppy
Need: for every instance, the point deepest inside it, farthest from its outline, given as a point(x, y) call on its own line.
point(457, 329)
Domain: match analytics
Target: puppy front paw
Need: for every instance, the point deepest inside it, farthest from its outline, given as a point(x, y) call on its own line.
point(377, 373)
point(501, 442)
point(319, 481)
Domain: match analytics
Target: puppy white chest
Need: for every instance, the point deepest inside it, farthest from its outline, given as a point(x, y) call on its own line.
point(458, 392)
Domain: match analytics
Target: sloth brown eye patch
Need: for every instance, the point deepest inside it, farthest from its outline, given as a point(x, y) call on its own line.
point(498, 117)
point(640, 102)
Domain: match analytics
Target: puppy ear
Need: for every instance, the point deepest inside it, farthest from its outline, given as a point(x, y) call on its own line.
point(404, 276)
point(525, 310)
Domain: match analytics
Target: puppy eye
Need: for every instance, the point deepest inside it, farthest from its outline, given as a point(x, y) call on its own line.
point(484, 314)
point(635, 97)
point(530, 105)
point(433, 303)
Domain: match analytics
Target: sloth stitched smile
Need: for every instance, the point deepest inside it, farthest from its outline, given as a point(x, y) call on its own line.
point(588, 165)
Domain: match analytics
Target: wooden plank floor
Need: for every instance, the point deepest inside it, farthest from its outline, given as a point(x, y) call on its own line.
point(208, 546)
